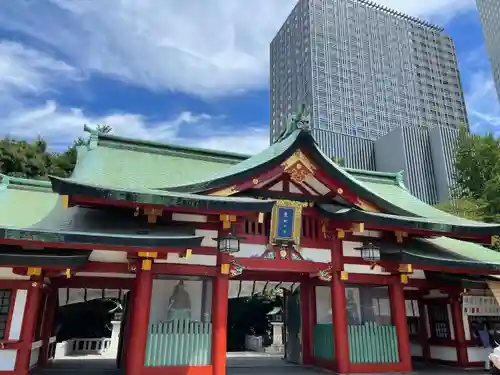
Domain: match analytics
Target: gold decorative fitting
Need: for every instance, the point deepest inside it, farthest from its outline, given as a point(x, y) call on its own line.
point(340, 234)
point(260, 218)
point(65, 201)
point(344, 275)
point(147, 264)
point(298, 166)
point(405, 268)
point(340, 191)
point(187, 254)
point(68, 273)
point(255, 181)
point(358, 227)
point(224, 268)
point(227, 220)
point(494, 240)
point(148, 254)
point(404, 278)
point(34, 271)
point(153, 213)
point(365, 206)
point(226, 192)
point(400, 236)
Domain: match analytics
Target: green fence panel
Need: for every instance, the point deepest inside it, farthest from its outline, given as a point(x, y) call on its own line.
point(373, 343)
point(323, 341)
point(179, 343)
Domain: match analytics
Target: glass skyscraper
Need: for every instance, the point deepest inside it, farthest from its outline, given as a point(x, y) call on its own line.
point(363, 70)
point(489, 13)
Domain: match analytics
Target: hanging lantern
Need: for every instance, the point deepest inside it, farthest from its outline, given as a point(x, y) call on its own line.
point(369, 252)
point(228, 243)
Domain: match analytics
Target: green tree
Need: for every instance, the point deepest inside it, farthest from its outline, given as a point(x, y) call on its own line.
point(338, 160)
point(20, 158)
point(477, 163)
point(476, 194)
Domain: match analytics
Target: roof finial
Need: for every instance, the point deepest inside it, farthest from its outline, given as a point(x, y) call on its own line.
point(4, 181)
point(299, 120)
point(94, 136)
point(400, 179)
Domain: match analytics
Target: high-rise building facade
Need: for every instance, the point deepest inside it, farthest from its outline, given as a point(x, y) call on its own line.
point(489, 13)
point(425, 154)
point(363, 70)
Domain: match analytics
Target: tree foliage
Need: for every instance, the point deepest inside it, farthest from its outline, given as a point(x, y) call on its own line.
point(338, 160)
point(476, 194)
point(32, 159)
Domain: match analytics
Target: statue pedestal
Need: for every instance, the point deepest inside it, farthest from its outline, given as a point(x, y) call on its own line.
point(277, 345)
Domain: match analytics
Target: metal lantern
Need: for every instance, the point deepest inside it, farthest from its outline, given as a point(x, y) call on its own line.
point(369, 252)
point(228, 243)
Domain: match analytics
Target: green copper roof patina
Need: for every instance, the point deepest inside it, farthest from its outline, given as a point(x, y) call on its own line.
point(436, 225)
point(148, 171)
point(70, 187)
point(47, 221)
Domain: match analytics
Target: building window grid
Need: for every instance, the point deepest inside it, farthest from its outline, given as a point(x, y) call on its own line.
point(5, 306)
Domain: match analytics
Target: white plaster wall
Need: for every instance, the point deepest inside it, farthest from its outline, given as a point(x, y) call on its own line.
point(7, 360)
point(452, 323)
point(248, 250)
point(7, 273)
point(417, 274)
point(316, 255)
point(364, 268)
point(204, 260)
point(209, 236)
point(162, 291)
point(189, 217)
point(348, 249)
point(476, 354)
point(445, 353)
point(323, 305)
point(108, 256)
point(18, 314)
point(34, 357)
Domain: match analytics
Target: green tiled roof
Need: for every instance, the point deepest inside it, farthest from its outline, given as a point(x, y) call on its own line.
point(121, 162)
point(24, 203)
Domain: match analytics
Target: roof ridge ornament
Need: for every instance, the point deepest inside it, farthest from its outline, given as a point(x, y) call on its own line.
point(94, 136)
point(4, 182)
point(299, 120)
point(400, 179)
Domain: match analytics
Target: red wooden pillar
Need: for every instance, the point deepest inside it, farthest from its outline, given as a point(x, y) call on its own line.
point(138, 334)
point(339, 312)
point(219, 321)
point(458, 327)
point(31, 310)
point(398, 312)
point(307, 322)
point(48, 323)
point(424, 333)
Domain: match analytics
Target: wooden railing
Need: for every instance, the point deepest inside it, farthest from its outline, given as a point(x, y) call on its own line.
point(179, 343)
point(368, 343)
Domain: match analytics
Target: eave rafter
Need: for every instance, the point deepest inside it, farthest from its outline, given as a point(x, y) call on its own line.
point(152, 201)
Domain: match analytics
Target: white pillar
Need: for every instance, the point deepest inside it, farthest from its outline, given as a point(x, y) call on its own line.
point(115, 338)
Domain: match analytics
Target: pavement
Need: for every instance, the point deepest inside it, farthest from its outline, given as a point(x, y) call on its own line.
point(244, 363)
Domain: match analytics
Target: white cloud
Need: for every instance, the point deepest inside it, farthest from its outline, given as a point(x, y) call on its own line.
point(198, 46)
point(205, 47)
point(480, 94)
point(60, 126)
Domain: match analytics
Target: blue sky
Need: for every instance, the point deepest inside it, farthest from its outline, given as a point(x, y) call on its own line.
point(192, 72)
